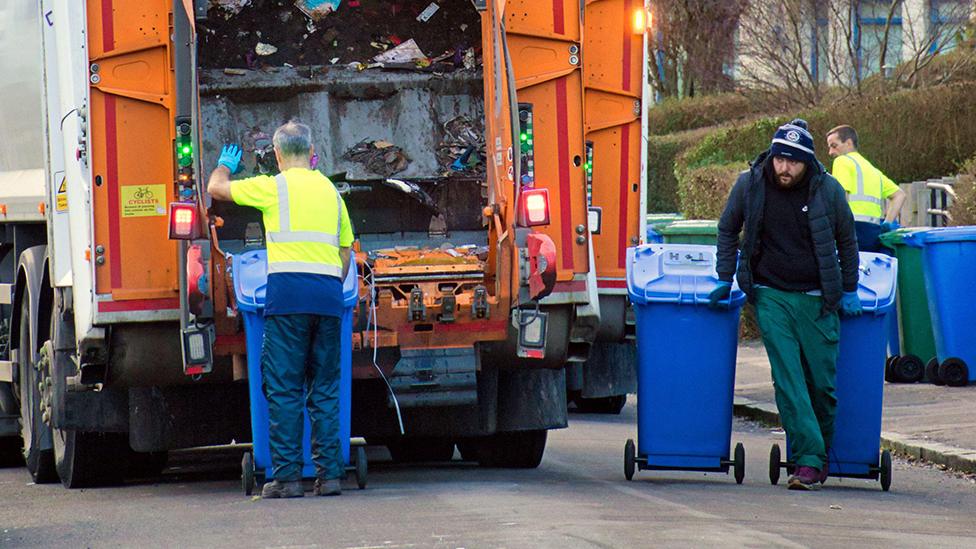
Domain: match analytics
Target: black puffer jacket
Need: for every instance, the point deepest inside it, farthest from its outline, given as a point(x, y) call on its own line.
point(831, 226)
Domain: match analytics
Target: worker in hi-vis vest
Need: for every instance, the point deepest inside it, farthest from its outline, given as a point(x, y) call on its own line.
point(309, 237)
point(867, 189)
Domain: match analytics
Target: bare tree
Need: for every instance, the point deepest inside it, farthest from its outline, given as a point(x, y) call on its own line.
point(805, 47)
point(694, 45)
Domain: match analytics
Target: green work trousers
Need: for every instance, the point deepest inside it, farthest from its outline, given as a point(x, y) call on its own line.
point(802, 346)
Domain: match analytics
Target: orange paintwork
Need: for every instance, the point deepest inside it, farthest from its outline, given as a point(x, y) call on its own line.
point(540, 36)
point(132, 134)
point(612, 82)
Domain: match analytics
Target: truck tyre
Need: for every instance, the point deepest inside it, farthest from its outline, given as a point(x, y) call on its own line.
point(34, 432)
point(514, 449)
point(87, 460)
point(607, 405)
point(412, 450)
point(10, 452)
point(145, 464)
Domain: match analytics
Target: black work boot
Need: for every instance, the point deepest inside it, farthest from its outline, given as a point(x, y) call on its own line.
point(327, 487)
point(283, 489)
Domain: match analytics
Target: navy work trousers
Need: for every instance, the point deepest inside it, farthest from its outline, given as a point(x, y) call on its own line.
point(300, 360)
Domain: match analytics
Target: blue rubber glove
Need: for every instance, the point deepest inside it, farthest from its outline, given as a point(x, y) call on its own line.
point(230, 156)
point(850, 304)
point(722, 291)
point(887, 227)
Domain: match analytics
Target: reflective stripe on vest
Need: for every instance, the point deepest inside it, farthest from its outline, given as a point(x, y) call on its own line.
point(284, 235)
point(861, 196)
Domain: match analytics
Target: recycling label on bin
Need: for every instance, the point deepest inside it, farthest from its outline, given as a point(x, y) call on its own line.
point(690, 257)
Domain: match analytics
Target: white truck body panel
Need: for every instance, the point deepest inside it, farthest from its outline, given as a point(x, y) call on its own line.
point(70, 57)
point(21, 140)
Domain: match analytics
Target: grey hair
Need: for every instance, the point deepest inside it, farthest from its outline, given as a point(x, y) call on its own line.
point(293, 139)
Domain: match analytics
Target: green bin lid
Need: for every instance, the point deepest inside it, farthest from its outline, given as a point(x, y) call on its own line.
point(655, 220)
point(897, 237)
point(708, 227)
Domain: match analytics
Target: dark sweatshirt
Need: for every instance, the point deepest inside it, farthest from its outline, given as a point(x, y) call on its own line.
point(786, 258)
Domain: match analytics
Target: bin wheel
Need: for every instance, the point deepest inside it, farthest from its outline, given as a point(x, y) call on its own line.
point(908, 369)
point(362, 467)
point(247, 473)
point(739, 463)
point(885, 470)
point(774, 464)
point(630, 459)
point(954, 372)
point(889, 374)
point(932, 372)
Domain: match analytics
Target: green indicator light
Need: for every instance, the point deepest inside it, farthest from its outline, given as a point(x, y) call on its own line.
point(524, 136)
point(186, 149)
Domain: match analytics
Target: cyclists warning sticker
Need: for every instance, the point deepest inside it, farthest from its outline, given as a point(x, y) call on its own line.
point(143, 200)
point(61, 197)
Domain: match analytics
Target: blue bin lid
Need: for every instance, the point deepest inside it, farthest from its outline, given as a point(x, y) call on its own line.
point(251, 281)
point(878, 281)
point(941, 234)
point(674, 273)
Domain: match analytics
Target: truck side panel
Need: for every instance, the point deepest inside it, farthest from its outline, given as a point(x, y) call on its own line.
point(548, 77)
point(132, 103)
point(613, 86)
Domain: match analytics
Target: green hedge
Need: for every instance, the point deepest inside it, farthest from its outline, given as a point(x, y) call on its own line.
point(677, 115)
point(963, 209)
point(703, 191)
point(911, 135)
point(662, 151)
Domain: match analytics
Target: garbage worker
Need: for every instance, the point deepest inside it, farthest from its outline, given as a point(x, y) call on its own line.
point(308, 237)
point(867, 189)
point(797, 262)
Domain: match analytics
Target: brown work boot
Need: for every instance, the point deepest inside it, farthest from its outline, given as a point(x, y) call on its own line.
point(327, 487)
point(286, 489)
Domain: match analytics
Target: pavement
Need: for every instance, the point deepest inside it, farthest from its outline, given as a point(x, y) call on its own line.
point(577, 498)
point(921, 421)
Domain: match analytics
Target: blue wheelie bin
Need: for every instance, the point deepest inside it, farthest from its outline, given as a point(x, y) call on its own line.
point(854, 452)
point(685, 362)
point(250, 271)
point(949, 257)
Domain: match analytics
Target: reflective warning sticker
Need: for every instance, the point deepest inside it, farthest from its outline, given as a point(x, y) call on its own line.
point(61, 197)
point(143, 200)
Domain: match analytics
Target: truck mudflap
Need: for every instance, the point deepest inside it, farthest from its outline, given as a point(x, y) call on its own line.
point(436, 377)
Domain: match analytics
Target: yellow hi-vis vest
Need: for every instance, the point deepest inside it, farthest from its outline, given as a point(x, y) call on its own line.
point(305, 219)
point(867, 187)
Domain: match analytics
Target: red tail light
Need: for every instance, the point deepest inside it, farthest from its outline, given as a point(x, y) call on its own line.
point(534, 208)
point(183, 222)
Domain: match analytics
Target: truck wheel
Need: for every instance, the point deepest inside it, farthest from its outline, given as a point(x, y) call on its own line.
point(412, 450)
point(90, 459)
point(34, 432)
point(514, 449)
point(468, 448)
point(606, 405)
point(145, 464)
point(10, 452)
